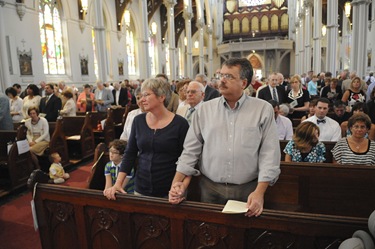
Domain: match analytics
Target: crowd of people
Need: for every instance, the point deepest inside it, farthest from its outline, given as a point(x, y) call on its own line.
point(224, 129)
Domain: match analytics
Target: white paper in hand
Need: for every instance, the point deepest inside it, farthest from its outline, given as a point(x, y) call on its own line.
point(234, 207)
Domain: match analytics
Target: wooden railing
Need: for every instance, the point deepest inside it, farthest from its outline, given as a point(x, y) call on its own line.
point(79, 218)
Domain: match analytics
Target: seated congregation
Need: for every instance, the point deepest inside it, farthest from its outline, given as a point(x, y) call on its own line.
point(295, 171)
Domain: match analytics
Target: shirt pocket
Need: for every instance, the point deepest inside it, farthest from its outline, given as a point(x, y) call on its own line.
point(250, 137)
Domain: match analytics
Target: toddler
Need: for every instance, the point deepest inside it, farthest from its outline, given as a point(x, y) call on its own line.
point(56, 171)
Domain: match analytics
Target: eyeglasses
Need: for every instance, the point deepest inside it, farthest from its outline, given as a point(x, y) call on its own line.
point(146, 94)
point(359, 127)
point(226, 76)
point(191, 91)
point(114, 152)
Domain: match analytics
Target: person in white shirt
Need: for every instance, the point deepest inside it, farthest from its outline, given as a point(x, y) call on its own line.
point(131, 115)
point(284, 125)
point(329, 129)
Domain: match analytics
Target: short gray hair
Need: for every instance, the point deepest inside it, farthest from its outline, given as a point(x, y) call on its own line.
point(159, 87)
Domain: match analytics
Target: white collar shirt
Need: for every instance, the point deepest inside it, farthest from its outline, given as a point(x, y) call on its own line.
point(330, 130)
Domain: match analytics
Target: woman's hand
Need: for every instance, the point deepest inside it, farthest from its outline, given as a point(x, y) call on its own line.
point(110, 193)
point(177, 193)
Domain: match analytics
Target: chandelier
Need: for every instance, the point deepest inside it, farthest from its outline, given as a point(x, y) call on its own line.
point(252, 2)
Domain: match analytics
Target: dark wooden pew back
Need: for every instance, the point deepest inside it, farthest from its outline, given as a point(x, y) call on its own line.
point(324, 188)
point(144, 222)
point(101, 157)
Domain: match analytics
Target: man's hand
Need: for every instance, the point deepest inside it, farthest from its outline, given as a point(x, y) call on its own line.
point(255, 204)
point(110, 193)
point(177, 193)
point(255, 200)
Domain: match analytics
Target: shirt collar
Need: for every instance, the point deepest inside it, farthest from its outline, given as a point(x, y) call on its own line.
point(114, 165)
point(239, 102)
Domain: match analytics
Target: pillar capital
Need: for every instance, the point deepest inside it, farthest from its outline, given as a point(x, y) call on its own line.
point(169, 3)
point(188, 15)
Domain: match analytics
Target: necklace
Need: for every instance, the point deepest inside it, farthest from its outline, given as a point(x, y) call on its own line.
point(35, 122)
point(356, 144)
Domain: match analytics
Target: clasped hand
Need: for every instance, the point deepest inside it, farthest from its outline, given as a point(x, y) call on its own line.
point(177, 193)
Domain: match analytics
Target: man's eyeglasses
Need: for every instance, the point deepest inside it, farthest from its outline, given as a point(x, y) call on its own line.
point(226, 76)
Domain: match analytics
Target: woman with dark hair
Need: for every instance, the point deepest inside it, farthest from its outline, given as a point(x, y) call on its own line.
point(356, 149)
point(37, 133)
point(86, 100)
point(305, 145)
point(15, 104)
point(69, 107)
point(358, 107)
point(31, 99)
point(156, 140)
point(332, 92)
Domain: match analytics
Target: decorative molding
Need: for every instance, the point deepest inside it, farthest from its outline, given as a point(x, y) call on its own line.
point(82, 25)
point(119, 35)
point(21, 10)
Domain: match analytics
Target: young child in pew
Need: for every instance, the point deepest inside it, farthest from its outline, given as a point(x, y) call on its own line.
point(116, 152)
point(56, 171)
point(305, 145)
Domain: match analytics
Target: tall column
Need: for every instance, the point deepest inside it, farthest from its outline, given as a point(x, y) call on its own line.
point(360, 29)
point(210, 72)
point(346, 35)
point(332, 30)
point(126, 65)
point(200, 25)
point(300, 38)
point(169, 4)
point(188, 15)
point(145, 70)
point(317, 45)
point(4, 65)
point(372, 34)
point(308, 12)
point(100, 41)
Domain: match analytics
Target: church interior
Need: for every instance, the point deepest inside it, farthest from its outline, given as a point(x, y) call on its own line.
point(311, 60)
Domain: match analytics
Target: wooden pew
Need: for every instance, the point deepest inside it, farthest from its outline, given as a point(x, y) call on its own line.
point(324, 188)
point(79, 136)
point(109, 133)
point(117, 115)
point(15, 168)
point(329, 147)
point(97, 178)
point(58, 143)
point(80, 218)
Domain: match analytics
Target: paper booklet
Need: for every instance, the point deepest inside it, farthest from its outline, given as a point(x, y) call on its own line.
point(235, 207)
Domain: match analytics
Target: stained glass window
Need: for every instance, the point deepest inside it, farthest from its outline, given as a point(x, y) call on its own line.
point(130, 51)
point(51, 37)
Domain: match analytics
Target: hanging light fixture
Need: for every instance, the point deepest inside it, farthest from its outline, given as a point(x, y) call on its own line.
point(347, 8)
point(85, 5)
